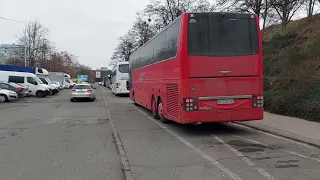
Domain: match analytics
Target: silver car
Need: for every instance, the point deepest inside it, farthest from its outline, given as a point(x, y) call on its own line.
point(83, 91)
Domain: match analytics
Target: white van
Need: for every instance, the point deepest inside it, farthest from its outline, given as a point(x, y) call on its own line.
point(29, 80)
point(119, 78)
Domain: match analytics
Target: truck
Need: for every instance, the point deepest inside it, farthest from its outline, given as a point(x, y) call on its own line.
point(39, 72)
point(62, 78)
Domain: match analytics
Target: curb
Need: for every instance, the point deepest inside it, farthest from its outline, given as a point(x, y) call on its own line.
point(284, 135)
point(123, 157)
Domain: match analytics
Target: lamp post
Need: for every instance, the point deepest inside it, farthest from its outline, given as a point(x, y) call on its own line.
point(25, 45)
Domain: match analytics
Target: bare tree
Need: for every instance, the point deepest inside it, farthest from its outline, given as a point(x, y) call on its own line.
point(310, 5)
point(125, 48)
point(142, 30)
point(286, 9)
point(162, 12)
point(33, 36)
point(248, 6)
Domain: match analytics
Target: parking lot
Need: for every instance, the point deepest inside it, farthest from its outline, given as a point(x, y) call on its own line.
point(53, 138)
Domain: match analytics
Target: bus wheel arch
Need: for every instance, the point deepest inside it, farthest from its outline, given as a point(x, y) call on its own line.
point(160, 111)
point(154, 107)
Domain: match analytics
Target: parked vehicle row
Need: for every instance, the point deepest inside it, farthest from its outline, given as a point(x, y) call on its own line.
point(117, 80)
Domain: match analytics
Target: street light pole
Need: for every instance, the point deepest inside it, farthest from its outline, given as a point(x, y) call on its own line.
point(25, 44)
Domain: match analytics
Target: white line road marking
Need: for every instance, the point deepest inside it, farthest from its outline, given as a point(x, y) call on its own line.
point(200, 152)
point(245, 159)
point(276, 136)
point(287, 151)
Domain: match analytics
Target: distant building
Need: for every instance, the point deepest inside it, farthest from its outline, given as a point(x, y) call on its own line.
point(11, 50)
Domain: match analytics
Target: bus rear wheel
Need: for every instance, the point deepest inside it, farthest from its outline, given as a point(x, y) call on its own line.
point(154, 108)
point(160, 112)
point(134, 99)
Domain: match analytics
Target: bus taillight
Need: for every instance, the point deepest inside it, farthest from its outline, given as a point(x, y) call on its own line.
point(190, 104)
point(257, 101)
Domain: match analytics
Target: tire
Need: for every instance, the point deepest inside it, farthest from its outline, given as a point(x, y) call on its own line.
point(154, 108)
point(3, 98)
point(40, 94)
point(134, 100)
point(71, 100)
point(160, 112)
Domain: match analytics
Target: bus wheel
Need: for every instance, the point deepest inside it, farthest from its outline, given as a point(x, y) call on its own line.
point(134, 99)
point(154, 108)
point(160, 112)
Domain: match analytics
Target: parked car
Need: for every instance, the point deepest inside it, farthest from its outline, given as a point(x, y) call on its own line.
point(7, 95)
point(26, 90)
point(83, 91)
point(14, 87)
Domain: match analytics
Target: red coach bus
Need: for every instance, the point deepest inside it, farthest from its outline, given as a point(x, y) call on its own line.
point(203, 67)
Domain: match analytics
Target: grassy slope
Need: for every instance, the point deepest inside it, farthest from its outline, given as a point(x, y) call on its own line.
point(292, 69)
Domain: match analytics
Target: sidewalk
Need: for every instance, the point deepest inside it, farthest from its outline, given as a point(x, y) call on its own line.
point(294, 128)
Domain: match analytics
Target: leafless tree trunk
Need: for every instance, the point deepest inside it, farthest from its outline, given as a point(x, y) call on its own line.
point(286, 9)
point(33, 37)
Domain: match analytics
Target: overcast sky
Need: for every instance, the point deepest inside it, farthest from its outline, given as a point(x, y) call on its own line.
point(87, 28)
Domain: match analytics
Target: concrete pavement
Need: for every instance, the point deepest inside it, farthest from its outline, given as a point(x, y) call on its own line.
point(209, 151)
point(52, 138)
point(295, 128)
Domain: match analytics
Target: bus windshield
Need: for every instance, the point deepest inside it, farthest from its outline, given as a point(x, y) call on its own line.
point(124, 68)
point(218, 35)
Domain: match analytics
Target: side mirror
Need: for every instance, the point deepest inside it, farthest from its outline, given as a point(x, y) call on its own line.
point(35, 83)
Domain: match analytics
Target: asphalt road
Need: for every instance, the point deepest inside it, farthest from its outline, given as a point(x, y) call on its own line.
point(52, 138)
point(159, 151)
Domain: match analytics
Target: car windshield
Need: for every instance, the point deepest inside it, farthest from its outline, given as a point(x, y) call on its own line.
point(82, 86)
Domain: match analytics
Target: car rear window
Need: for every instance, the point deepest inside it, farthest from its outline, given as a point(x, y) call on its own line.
point(81, 87)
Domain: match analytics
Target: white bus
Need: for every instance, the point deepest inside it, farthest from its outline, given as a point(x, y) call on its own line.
point(119, 78)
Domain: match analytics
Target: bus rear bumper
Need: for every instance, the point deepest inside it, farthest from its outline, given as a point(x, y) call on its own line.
point(223, 116)
point(122, 91)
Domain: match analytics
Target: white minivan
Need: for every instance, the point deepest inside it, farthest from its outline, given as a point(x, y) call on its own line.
point(29, 80)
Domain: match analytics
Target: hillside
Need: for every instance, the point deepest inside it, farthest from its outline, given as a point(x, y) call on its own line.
point(292, 69)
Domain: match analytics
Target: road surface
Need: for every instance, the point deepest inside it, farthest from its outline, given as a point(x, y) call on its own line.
point(53, 138)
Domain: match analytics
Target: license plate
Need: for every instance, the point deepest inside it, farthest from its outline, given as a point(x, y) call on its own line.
point(225, 101)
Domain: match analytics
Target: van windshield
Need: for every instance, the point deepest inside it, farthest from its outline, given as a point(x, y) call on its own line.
point(48, 80)
point(38, 80)
point(44, 80)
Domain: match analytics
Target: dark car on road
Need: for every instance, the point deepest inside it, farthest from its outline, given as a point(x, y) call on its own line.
point(14, 87)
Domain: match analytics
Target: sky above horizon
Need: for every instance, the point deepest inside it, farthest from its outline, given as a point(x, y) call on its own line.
point(87, 29)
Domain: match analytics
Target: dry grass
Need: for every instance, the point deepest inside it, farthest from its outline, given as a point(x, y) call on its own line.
point(292, 69)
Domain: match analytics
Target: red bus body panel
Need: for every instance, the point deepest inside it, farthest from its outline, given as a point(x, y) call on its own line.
point(206, 78)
